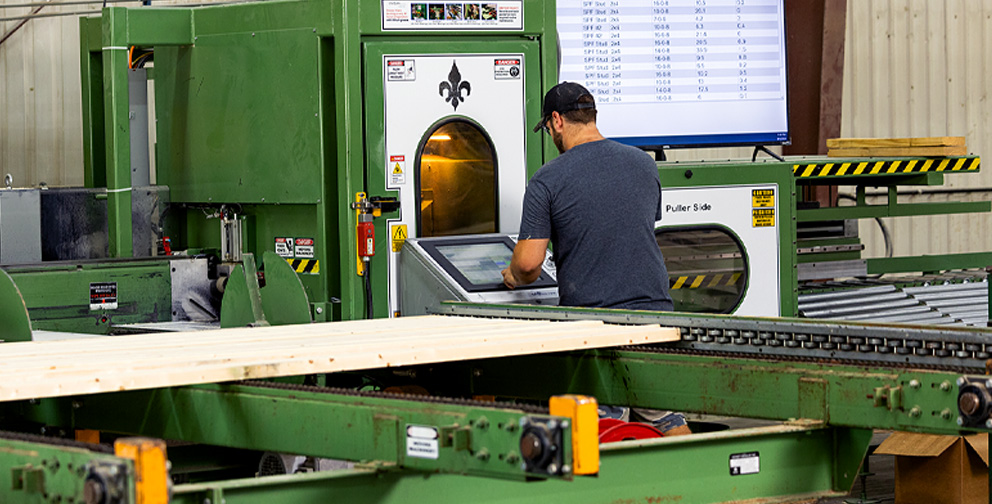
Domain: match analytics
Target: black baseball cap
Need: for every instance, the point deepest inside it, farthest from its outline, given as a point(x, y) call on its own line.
point(562, 98)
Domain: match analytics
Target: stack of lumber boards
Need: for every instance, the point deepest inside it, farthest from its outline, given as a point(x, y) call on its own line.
point(37, 369)
point(896, 147)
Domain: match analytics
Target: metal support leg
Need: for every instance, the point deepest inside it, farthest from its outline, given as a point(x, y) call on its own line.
point(117, 130)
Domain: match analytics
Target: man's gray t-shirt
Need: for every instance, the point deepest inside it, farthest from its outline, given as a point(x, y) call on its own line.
point(598, 203)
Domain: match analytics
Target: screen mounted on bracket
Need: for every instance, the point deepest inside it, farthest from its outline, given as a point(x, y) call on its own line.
point(680, 73)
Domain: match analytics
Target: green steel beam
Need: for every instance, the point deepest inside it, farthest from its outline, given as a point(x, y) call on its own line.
point(150, 27)
point(846, 396)
point(91, 73)
point(898, 210)
point(928, 263)
point(798, 461)
point(117, 130)
point(475, 439)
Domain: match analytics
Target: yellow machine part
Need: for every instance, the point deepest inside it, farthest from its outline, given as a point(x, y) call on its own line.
point(151, 468)
point(582, 410)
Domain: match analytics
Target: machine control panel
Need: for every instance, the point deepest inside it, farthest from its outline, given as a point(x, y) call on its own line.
point(466, 268)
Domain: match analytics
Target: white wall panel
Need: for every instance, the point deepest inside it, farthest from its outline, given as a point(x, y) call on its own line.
point(920, 68)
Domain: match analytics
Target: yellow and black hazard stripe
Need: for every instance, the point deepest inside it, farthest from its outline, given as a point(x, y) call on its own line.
point(305, 266)
point(697, 281)
point(898, 167)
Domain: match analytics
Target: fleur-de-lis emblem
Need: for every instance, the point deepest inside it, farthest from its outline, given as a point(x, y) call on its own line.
point(454, 86)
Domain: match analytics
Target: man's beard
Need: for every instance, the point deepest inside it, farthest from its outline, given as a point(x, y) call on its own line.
point(559, 142)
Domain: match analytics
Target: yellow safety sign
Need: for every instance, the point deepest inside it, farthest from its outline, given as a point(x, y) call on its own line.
point(397, 169)
point(763, 217)
point(399, 236)
point(761, 198)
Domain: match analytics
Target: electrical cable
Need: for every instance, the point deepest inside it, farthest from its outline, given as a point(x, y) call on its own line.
point(369, 312)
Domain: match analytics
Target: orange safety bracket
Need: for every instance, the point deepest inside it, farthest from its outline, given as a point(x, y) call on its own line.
point(584, 415)
point(151, 468)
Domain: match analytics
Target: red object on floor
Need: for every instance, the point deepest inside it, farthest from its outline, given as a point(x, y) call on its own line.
point(612, 430)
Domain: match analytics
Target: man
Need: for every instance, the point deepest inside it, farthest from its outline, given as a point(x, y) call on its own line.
point(597, 204)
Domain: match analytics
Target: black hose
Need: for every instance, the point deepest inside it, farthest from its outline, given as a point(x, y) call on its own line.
point(369, 311)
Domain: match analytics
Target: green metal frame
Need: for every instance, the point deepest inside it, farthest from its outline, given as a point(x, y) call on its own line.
point(57, 294)
point(798, 461)
point(36, 472)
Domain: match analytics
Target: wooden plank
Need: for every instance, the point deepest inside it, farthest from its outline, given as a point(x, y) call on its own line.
point(946, 141)
point(52, 368)
point(899, 152)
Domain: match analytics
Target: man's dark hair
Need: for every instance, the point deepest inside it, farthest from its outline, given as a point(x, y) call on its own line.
point(582, 116)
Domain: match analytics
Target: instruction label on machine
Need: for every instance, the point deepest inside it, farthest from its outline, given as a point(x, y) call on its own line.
point(422, 442)
point(103, 296)
point(396, 168)
point(763, 217)
point(419, 15)
point(745, 463)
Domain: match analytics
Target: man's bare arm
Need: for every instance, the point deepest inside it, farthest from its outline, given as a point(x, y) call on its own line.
point(525, 267)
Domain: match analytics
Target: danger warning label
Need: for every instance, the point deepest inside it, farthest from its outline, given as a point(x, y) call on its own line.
point(396, 168)
point(401, 70)
point(507, 69)
point(103, 296)
point(303, 248)
point(763, 217)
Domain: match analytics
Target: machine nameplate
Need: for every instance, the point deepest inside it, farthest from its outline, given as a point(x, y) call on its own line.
point(745, 463)
point(419, 15)
point(422, 442)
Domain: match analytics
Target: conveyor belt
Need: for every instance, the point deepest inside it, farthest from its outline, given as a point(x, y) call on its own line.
point(899, 344)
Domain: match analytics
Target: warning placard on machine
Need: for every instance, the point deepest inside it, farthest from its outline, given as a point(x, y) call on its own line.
point(401, 70)
point(763, 217)
point(762, 198)
point(399, 236)
point(284, 246)
point(304, 248)
point(508, 68)
point(103, 296)
point(396, 168)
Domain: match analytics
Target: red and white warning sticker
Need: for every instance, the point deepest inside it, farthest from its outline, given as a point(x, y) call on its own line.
point(284, 246)
point(397, 169)
point(507, 68)
point(304, 248)
point(401, 70)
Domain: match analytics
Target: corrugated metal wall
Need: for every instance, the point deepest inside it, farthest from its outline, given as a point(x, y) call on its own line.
point(912, 68)
point(916, 68)
point(40, 103)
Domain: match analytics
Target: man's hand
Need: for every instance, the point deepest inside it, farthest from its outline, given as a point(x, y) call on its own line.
point(508, 279)
point(525, 267)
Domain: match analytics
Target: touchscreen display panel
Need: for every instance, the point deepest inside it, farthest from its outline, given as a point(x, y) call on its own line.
point(480, 263)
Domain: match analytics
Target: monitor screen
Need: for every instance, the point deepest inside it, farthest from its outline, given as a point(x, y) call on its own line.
point(477, 262)
point(680, 73)
point(481, 263)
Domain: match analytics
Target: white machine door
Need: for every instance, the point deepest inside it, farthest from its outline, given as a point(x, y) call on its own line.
point(454, 140)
